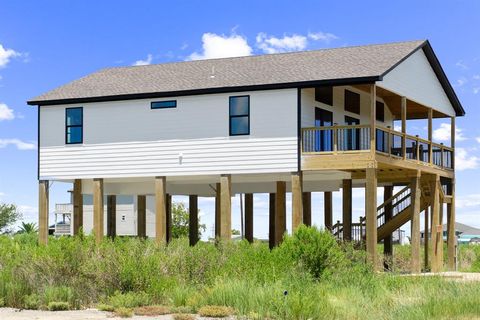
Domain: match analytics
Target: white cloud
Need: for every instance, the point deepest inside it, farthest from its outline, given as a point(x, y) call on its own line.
point(6, 55)
point(6, 113)
point(271, 44)
point(476, 90)
point(478, 139)
point(28, 212)
point(322, 36)
point(443, 133)
point(467, 201)
point(476, 77)
point(461, 65)
point(222, 46)
point(461, 82)
point(464, 161)
point(145, 62)
point(19, 144)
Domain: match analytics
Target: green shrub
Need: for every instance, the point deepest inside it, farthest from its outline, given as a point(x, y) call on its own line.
point(32, 301)
point(183, 316)
point(2, 302)
point(152, 310)
point(105, 307)
point(124, 312)
point(58, 306)
point(215, 311)
point(129, 299)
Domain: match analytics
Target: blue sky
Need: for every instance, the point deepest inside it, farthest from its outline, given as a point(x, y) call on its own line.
point(44, 44)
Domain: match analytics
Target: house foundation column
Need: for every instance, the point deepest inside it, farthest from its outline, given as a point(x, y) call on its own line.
point(307, 208)
point(387, 242)
point(160, 210)
point(77, 206)
point(371, 215)
point(249, 217)
point(451, 236)
point(43, 212)
point(415, 224)
point(141, 216)
point(328, 210)
point(347, 209)
point(217, 211)
point(271, 221)
point(111, 216)
point(168, 209)
point(193, 219)
point(98, 211)
point(426, 238)
point(435, 235)
point(280, 212)
point(226, 207)
point(297, 200)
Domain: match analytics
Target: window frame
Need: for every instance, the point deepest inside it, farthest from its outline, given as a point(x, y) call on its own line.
point(67, 126)
point(230, 116)
point(170, 107)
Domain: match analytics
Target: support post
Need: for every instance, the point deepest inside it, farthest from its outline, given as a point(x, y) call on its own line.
point(452, 140)
point(226, 207)
point(98, 213)
point(111, 216)
point(373, 118)
point(307, 208)
point(160, 210)
point(347, 209)
point(451, 236)
point(430, 135)
point(141, 216)
point(43, 212)
point(435, 196)
point(168, 209)
point(371, 215)
point(415, 224)
point(426, 238)
point(217, 211)
point(328, 210)
point(193, 219)
point(77, 206)
point(249, 217)
point(387, 242)
point(280, 212)
point(297, 202)
point(271, 221)
point(404, 126)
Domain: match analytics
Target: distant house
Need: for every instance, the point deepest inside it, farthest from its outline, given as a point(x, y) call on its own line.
point(464, 233)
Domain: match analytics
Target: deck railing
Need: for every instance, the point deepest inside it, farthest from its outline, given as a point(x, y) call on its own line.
point(336, 139)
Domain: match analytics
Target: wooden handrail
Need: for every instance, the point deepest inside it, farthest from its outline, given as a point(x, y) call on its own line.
point(357, 126)
point(392, 197)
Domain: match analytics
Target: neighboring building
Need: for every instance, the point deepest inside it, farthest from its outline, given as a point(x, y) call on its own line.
point(464, 233)
point(303, 122)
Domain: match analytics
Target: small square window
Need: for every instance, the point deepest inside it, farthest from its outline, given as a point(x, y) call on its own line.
point(163, 104)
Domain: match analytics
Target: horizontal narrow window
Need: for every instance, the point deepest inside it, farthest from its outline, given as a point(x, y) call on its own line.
point(239, 115)
point(352, 102)
point(73, 125)
point(163, 104)
point(380, 111)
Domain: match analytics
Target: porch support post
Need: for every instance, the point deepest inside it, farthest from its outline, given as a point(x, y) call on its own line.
point(328, 210)
point(168, 205)
point(280, 212)
point(430, 134)
point(440, 233)
point(271, 221)
point(297, 201)
point(43, 212)
point(141, 216)
point(426, 237)
point(77, 206)
point(307, 208)
point(373, 118)
point(193, 219)
point(98, 213)
point(217, 211)
point(249, 217)
point(452, 139)
point(226, 207)
point(404, 126)
point(387, 242)
point(451, 237)
point(347, 209)
point(111, 216)
point(160, 210)
point(415, 228)
point(435, 196)
point(371, 215)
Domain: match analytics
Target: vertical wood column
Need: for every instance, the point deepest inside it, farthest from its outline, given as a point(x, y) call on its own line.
point(111, 216)
point(43, 212)
point(168, 212)
point(160, 210)
point(141, 216)
point(307, 208)
point(387, 242)
point(452, 139)
point(193, 219)
point(77, 206)
point(347, 209)
point(404, 126)
point(451, 236)
point(435, 196)
point(426, 238)
point(280, 212)
point(226, 207)
point(249, 217)
point(440, 234)
point(328, 210)
point(430, 134)
point(373, 118)
point(271, 221)
point(98, 211)
point(218, 225)
point(297, 201)
point(415, 227)
point(371, 215)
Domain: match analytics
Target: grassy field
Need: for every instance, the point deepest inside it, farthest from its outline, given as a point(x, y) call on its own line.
point(309, 276)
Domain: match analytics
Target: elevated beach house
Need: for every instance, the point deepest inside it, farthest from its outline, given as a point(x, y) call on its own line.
point(302, 122)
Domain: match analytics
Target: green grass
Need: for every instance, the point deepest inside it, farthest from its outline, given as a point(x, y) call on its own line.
point(309, 276)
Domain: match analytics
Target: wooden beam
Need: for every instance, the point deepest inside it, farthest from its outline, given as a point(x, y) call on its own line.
point(168, 212)
point(141, 216)
point(297, 202)
point(426, 238)
point(435, 195)
point(440, 232)
point(452, 139)
point(249, 217)
point(430, 134)
point(217, 211)
point(387, 242)
point(404, 126)
point(347, 209)
point(98, 213)
point(307, 208)
point(328, 210)
point(226, 207)
point(271, 221)
point(280, 212)
point(451, 236)
point(373, 118)
point(43, 212)
point(160, 210)
point(415, 224)
point(77, 206)
point(193, 219)
point(111, 216)
point(371, 215)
